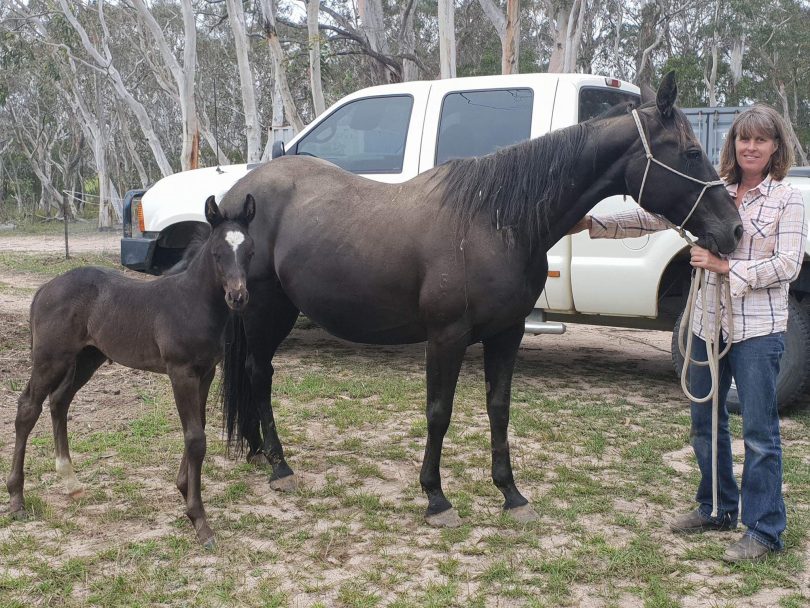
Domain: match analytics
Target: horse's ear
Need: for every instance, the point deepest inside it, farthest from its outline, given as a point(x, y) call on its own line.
point(249, 211)
point(667, 93)
point(212, 213)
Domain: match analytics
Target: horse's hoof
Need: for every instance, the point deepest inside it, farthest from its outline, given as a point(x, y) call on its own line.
point(285, 484)
point(259, 459)
point(446, 519)
point(77, 494)
point(210, 543)
point(523, 514)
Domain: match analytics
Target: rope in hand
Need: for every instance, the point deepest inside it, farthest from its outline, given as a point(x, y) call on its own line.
point(699, 283)
point(713, 354)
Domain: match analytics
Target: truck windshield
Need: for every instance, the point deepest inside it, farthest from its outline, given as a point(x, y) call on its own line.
point(363, 136)
point(475, 123)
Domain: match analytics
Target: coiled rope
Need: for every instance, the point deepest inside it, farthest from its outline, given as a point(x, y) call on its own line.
point(699, 283)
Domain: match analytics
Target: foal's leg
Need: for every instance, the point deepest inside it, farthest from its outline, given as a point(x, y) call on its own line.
point(45, 376)
point(443, 363)
point(186, 388)
point(87, 362)
point(267, 326)
point(500, 352)
point(182, 474)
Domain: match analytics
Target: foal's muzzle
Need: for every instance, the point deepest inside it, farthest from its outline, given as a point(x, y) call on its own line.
point(236, 299)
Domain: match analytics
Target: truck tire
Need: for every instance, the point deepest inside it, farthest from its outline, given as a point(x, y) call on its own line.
point(794, 371)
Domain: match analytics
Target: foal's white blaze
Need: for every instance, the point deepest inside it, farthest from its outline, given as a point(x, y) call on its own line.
point(234, 238)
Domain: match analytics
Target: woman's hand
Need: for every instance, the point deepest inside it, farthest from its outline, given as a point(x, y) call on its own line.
point(583, 224)
point(703, 258)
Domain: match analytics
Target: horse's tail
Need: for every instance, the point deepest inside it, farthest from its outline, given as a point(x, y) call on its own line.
point(240, 416)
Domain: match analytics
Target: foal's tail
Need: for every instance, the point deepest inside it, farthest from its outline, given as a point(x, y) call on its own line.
point(240, 416)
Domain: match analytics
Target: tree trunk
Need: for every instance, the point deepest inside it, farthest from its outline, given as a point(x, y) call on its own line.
point(801, 156)
point(556, 63)
point(373, 28)
point(314, 34)
point(508, 30)
point(105, 63)
point(253, 131)
point(736, 60)
point(407, 43)
point(277, 56)
point(447, 40)
point(710, 75)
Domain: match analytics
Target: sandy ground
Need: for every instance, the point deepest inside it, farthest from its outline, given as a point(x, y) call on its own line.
point(110, 400)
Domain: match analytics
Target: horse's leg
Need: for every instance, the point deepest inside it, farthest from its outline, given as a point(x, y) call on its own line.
point(266, 329)
point(45, 376)
point(87, 362)
point(500, 352)
point(182, 474)
point(443, 363)
point(186, 387)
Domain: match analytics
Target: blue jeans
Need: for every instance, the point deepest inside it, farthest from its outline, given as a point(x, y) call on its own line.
point(754, 364)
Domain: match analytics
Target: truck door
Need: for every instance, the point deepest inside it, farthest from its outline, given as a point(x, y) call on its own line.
point(579, 100)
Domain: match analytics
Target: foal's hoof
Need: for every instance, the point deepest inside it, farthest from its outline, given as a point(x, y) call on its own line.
point(77, 494)
point(289, 483)
point(523, 514)
point(19, 515)
point(259, 459)
point(446, 519)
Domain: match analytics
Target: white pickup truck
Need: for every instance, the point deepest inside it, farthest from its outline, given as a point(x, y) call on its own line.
point(392, 133)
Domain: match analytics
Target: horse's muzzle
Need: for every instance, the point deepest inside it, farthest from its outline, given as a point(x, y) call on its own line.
point(236, 299)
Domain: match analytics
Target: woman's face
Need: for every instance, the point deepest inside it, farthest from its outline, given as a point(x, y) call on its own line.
point(753, 153)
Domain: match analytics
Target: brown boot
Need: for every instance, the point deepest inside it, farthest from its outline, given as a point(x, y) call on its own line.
point(747, 549)
point(695, 521)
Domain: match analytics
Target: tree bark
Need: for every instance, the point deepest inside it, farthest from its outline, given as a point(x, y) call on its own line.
point(105, 63)
point(184, 75)
point(277, 56)
point(253, 131)
point(314, 35)
point(447, 40)
point(710, 74)
point(407, 43)
point(508, 30)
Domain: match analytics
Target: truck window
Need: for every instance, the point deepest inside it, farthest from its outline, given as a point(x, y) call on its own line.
point(593, 101)
point(363, 136)
point(474, 123)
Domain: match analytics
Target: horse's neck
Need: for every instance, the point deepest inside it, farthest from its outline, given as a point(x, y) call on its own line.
point(599, 173)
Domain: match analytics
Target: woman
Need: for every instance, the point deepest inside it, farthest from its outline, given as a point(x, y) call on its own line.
point(755, 158)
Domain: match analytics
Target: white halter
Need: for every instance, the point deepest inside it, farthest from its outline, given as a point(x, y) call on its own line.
point(652, 159)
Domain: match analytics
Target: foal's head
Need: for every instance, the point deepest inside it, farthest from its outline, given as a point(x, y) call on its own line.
point(231, 247)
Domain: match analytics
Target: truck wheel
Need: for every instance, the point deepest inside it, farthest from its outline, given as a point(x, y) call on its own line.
point(794, 371)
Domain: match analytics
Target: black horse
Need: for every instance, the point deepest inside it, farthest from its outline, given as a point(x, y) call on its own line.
point(173, 325)
point(455, 256)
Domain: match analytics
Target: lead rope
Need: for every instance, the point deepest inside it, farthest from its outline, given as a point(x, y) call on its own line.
point(699, 283)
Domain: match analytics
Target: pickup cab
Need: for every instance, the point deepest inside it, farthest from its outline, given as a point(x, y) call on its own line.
point(392, 133)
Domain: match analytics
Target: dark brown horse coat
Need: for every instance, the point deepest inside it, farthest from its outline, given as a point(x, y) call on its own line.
point(454, 256)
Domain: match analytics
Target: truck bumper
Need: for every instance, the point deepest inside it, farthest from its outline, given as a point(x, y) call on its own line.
point(137, 253)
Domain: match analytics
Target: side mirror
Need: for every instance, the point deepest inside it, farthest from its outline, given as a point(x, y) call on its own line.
point(277, 149)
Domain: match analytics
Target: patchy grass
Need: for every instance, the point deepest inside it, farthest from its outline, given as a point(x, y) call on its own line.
point(595, 446)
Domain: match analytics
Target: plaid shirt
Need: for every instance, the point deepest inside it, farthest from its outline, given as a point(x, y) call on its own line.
point(768, 257)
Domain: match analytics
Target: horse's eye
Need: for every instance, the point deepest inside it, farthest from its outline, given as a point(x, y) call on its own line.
point(694, 154)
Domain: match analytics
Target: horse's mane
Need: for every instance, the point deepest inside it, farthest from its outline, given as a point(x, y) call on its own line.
point(199, 235)
point(517, 185)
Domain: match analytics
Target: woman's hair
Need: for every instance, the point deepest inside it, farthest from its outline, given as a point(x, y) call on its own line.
point(759, 119)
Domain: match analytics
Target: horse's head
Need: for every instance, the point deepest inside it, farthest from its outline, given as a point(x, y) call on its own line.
point(232, 249)
point(673, 176)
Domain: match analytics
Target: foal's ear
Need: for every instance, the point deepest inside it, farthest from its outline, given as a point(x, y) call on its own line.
point(249, 210)
point(212, 213)
point(667, 93)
